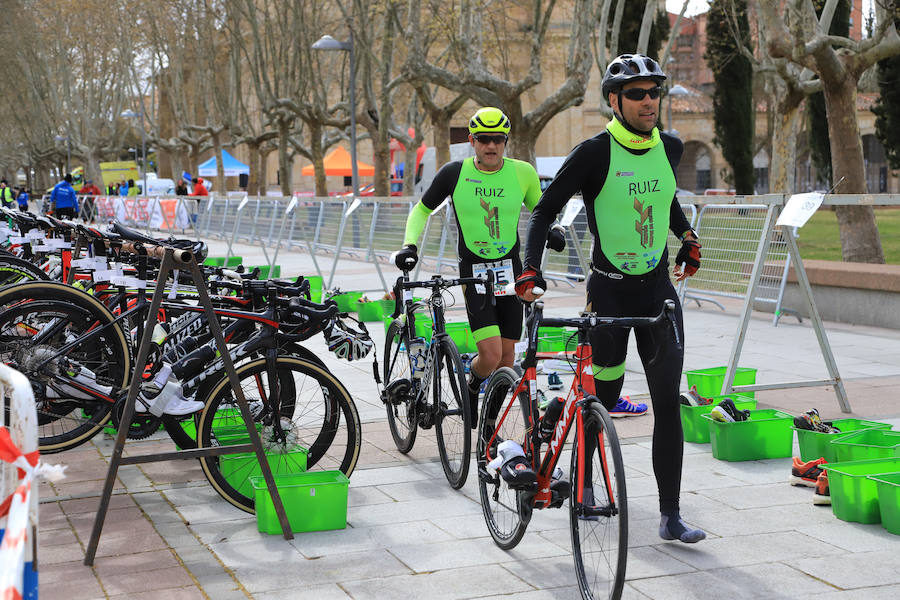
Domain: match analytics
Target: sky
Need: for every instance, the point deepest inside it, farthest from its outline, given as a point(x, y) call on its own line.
point(699, 6)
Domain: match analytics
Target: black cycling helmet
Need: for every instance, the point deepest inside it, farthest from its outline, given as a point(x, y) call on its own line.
point(630, 67)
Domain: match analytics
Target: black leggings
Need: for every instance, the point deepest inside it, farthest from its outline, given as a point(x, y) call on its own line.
point(662, 361)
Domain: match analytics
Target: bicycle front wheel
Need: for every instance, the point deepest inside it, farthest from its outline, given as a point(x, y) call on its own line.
point(598, 509)
point(499, 503)
point(452, 415)
point(400, 398)
point(18, 270)
point(317, 415)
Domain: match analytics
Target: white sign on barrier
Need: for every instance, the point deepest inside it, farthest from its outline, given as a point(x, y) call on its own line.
point(573, 207)
point(799, 208)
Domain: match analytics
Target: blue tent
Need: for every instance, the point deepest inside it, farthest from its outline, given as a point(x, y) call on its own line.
point(233, 167)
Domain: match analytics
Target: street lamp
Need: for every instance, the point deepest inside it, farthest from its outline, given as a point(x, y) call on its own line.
point(130, 114)
point(65, 138)
point(675, 90)
point(326, 42)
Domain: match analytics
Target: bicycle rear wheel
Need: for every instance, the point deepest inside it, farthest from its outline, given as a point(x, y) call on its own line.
point(599, 520)
point(400, 398)
point(499, 503)
point(317, 414)
point(75, 390)
point(17, 270)
point(452, 414)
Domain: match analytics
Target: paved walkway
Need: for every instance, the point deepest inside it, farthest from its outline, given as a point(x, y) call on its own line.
point(409, 535)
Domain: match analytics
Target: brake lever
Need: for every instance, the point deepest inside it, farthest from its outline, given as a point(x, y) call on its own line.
point(669, 310)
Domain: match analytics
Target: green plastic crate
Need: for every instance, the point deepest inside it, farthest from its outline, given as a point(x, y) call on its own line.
point(461, 336)
point(369, 311)
point(313, 501)
point(551, 339)
point(214, 261)
point(348, 301)
point(315, 287)
point(888, 487)
point(387, 307)
point(266, 273)
point(854, 497)
point(867, 444)
point(816, 444)
point(233, 261)
point(239, 468)
point(424, 326)
point(767, 434)
point(696, 428)
point(709, 381)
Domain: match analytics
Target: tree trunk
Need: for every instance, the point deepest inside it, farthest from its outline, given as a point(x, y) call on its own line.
point(440, 131)
point(253, 179)
point(860, 241)
point(284, 163)
point(220, 165)
point(92, 168)
point(786, 130)
point(262, 169)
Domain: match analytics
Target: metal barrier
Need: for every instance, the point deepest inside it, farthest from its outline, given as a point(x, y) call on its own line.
point(18, 493)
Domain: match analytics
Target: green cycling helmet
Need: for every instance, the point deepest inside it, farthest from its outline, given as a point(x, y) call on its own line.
point(489, 120)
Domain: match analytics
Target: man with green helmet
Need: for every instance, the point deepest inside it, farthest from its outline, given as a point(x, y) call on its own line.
point(626, 175)
point(487, 192)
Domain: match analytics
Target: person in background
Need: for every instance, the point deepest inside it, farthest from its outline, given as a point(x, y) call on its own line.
point(181, 188)
point(22, 198)
point(132, 188)
point(89, 191)
point(200, 188)
point(7, 199)
point(63, 199)
point(123, 188)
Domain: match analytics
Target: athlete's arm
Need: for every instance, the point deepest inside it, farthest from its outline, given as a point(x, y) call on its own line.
point(678, 223)
point(569, 180)
point(441, 187)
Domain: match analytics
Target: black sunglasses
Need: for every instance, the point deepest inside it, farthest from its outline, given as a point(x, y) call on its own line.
point(637, 94)
point(484, 138)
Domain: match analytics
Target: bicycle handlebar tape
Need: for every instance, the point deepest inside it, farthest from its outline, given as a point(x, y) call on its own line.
point(689, 256)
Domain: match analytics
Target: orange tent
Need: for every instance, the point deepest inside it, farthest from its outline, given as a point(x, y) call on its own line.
point(338, 162)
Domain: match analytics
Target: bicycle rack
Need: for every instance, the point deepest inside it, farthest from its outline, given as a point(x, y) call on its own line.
point(169, 260)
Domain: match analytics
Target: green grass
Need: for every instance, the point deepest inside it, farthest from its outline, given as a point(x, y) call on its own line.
point(820, 238)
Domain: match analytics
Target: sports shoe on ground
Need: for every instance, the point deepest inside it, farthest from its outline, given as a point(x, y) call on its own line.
point(822, 496)
point(720, 414)
point(626, 408)
point(806, 473)
point(692, 398)
point(553, 381)
point(803, 422)
point(812, 421)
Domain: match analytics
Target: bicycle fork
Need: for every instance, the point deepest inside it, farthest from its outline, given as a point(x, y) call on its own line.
point(586, 505)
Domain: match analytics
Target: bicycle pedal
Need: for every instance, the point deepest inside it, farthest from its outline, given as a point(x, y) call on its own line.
point(560, 490)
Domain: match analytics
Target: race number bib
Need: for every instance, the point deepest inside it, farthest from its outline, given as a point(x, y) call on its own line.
point(503, 275)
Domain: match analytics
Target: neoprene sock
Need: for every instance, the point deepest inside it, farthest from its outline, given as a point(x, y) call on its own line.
point(672, 527)
point(474, 383)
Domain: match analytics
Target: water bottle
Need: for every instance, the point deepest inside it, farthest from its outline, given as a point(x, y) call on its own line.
point(192, 364)
point(182, 349)
point(417, 357)
point(551, 416)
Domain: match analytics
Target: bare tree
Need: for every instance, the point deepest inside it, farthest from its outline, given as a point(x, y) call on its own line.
point(797, 36)
point(483, 66)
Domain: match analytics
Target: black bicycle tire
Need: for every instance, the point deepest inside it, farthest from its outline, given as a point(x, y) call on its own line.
point(11, 265)
point(61, 297)
point(447, 359)
point(598, 414)
point(392, 352)
point(493, 404)
point(174, 426)
point(340, 405)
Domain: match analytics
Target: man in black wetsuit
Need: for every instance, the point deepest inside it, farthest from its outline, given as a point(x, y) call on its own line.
point(626, 175)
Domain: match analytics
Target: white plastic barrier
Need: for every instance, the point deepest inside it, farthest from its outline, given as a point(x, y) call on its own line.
point(19, 471)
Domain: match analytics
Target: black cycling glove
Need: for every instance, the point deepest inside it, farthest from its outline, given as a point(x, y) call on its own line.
point(556, 238)
point(406, 257)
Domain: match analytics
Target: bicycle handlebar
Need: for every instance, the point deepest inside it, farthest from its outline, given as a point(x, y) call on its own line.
point(439, 282)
